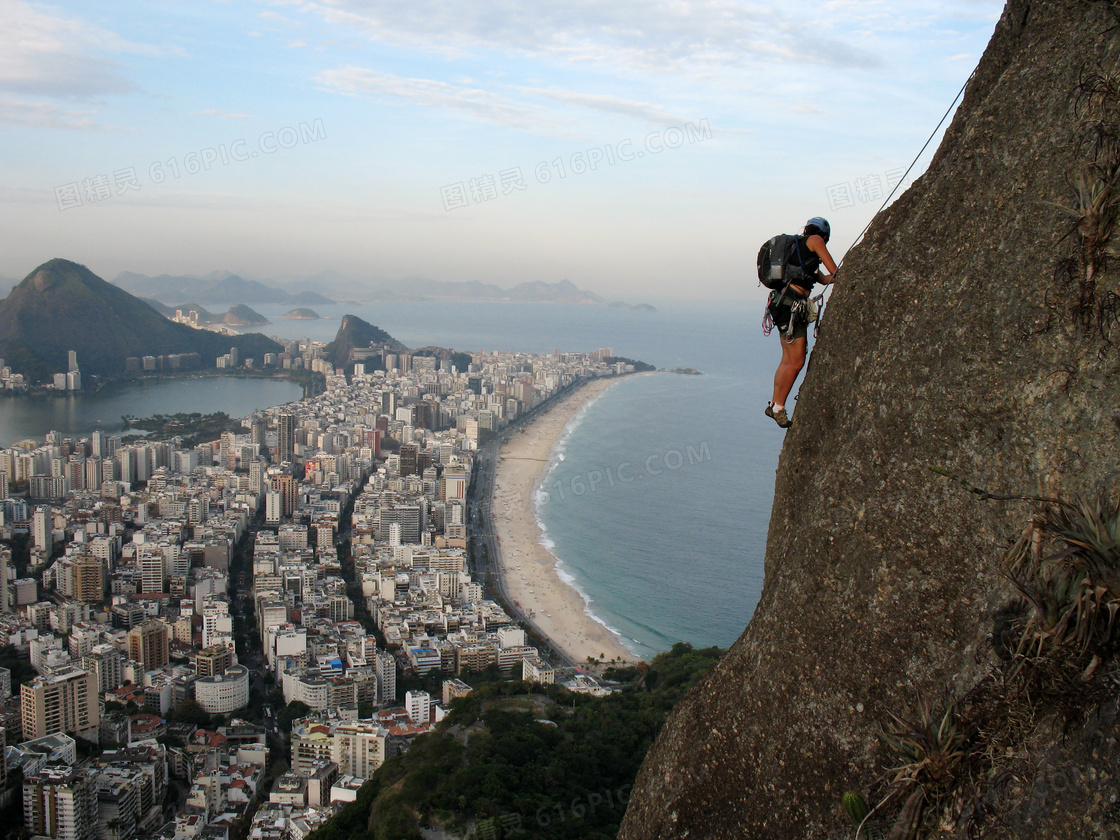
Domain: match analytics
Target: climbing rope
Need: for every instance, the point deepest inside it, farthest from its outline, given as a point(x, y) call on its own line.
point(820, 298)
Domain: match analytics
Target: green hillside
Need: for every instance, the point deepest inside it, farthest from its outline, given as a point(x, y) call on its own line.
point(520, 760)
point(63, 306)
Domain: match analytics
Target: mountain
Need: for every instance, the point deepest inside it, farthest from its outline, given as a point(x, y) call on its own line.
point(302, 314)
point(223, 287)
point(162, 308)
point(563, 292)
point(63, 306)
point(219, 287)
point(205, 316)
point(233, 288)
point(973, 333)
point(353, 333)
point(240, 315)
point(422, 288)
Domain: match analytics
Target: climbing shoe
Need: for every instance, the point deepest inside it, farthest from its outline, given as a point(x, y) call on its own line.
point(780, 417)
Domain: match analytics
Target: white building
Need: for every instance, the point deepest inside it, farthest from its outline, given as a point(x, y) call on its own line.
point(223, 693)
point(418, 704)
point(358, 748)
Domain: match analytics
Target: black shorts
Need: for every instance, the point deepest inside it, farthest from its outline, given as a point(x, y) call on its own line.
point(782, 312)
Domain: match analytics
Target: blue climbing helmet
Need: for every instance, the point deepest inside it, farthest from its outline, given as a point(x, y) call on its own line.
point(821, 224)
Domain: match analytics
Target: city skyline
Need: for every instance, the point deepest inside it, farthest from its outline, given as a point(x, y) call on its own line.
point(628, 149)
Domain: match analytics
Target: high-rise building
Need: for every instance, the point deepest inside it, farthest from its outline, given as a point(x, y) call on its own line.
point(213, 661)
point(273, 507)
point(6, 576)
point(286, 485)
point(65, 701)
point(358, 748)
point(41, 525)
point(419, 706)
point(148, 644)
point(61, 803)
point(150, 559)
point(256, 476)
point(118, 801)
point(89, 579)
point(386, 678)
point(227, 451)
point(286, 437)
point(410, 459)
point(105, 663)
point(217, 624)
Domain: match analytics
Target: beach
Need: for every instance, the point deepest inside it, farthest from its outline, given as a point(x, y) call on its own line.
point(528, 567)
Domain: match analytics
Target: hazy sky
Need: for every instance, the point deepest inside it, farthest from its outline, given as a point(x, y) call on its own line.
point(637, 148)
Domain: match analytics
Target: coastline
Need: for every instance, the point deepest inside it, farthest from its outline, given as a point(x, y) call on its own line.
point(529, 569)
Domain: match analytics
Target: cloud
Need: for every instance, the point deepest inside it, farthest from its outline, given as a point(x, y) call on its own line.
point(610, 104)
point(645, 35)
point(219, 112)
point(43, 55)
point(461, 97)
point(15, 111)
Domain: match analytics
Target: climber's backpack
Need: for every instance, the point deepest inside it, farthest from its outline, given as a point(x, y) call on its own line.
point(774, 268)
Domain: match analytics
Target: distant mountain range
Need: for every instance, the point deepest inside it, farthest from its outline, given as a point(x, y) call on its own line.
point(63, 306)
point(222, 287)
point(536, 291)
point(219, 287)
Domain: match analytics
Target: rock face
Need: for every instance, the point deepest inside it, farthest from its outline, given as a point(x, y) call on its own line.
point(961, 337)
point(353, 333)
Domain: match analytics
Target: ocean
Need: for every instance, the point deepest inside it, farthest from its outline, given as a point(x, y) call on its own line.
point(657, 501)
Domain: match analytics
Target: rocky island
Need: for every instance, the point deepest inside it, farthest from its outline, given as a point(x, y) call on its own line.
point(302, 314)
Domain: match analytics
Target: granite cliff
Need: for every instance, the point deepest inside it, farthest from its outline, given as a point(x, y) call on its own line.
point(972, 332)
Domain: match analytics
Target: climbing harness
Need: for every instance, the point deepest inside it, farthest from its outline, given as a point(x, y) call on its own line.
point(802, 310)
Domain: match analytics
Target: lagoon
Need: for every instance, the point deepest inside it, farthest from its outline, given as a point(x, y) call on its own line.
point(80, 414)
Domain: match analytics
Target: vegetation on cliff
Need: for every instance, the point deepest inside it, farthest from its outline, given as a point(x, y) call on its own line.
point(514, 759)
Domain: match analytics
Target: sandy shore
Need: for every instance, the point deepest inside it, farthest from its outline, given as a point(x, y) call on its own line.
point(528, 568)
